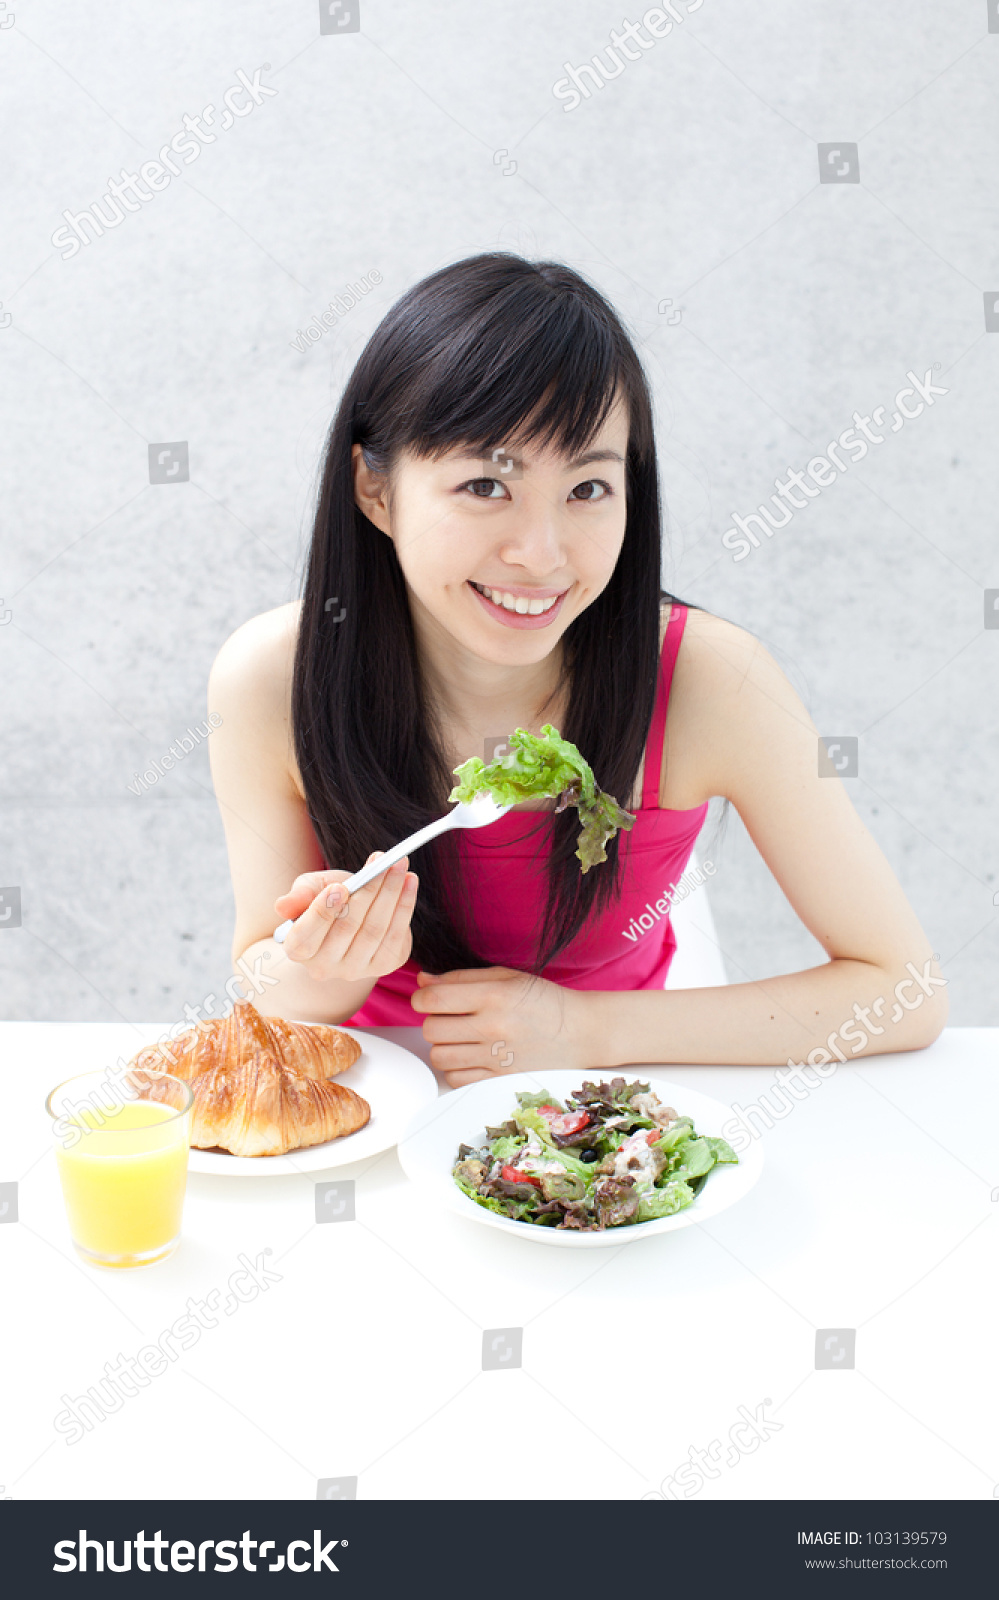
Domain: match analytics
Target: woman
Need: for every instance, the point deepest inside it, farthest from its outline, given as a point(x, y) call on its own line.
point(487, 555)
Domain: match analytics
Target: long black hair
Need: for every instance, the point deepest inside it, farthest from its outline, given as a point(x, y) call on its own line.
point(486, 350)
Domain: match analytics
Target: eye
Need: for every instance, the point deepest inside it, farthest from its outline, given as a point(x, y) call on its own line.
point(593, 483)
point(481, 488)
point(587, 493)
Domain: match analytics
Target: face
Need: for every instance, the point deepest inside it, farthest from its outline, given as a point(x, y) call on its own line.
point(503, 560)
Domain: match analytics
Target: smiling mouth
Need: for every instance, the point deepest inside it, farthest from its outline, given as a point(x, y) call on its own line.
point(521, 605)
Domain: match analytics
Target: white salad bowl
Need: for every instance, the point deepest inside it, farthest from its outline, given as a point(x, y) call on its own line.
point(429, 1149)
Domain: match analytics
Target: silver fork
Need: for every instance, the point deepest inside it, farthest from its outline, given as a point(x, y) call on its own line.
point(477, 813)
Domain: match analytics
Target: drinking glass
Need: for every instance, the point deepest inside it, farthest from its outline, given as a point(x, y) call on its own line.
point(121, 1144)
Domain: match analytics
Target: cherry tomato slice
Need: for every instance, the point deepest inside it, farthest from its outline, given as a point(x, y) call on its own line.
point(514, 1175)
point(565, 1123)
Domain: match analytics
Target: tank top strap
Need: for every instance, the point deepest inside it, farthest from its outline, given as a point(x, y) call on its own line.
point(654, 744)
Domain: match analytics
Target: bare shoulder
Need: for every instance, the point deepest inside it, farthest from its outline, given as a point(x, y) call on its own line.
point(722, 651)
point(729, 696)
point(259, 649)
point(250, 685)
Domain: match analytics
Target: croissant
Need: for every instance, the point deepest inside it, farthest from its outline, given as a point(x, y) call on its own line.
point(260, 1083)
point(260, 1108)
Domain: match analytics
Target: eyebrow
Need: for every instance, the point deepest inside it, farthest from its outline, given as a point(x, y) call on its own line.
point(572, 466)
point(595, 455)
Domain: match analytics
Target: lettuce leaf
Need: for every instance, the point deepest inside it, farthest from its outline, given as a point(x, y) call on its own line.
point(547, 766)
point(721, 1149)
point(530, 1118)
point(498, 1132)
point(519, 1210)
point(612, 1098)
point(672, 1197)
point(617, 1201)
point(696, 1158)
point(543, 1098)
point(581, 1169)
point(674, 1136)
point(563, 1185)
point(506, 1149)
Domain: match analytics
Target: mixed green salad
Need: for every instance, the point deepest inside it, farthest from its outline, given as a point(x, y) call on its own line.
point(535, 767)
point(613, 1154)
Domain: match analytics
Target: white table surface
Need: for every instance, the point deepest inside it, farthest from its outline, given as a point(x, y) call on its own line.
point(877, 1210)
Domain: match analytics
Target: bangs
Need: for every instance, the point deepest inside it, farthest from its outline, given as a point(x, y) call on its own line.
point(533, 361)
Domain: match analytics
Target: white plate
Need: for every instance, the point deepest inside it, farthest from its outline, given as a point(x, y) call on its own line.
point(429, 1150)
point(395, 1083)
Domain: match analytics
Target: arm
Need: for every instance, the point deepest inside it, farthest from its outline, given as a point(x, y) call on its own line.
point(269, 836)
point(881, 990)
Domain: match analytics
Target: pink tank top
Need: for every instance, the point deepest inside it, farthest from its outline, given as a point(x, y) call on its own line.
point(630, 946)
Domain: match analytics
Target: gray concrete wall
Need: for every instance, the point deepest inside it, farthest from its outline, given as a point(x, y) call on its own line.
point(769, 307)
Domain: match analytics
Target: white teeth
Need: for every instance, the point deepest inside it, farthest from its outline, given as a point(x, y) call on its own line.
point(518, 603)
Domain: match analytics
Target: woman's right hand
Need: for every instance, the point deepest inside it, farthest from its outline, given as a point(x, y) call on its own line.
point(352, 937)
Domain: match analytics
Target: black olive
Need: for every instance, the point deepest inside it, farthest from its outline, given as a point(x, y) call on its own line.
point(589, 1155)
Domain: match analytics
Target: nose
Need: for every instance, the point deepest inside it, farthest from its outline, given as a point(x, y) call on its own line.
point(535, 539)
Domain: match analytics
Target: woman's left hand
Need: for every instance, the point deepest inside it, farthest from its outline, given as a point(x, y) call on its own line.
point(487, 1020)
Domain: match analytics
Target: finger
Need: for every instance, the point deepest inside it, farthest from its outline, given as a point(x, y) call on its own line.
point(459, 999)
point(453, 1030)
point(465, 1056)
point(305, 888)
point(467, 974)
point(306, 938)
point(458, 1078)
point(355, 954)
point(397, 940)
point(378, 914)
point(463, 1064)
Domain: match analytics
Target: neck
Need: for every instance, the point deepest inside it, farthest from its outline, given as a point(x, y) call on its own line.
point(481, 696)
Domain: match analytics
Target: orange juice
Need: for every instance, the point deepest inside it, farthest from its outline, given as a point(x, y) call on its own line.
point(123, 1182)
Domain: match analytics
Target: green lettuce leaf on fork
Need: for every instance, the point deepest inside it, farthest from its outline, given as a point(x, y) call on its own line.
point(535, 768)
